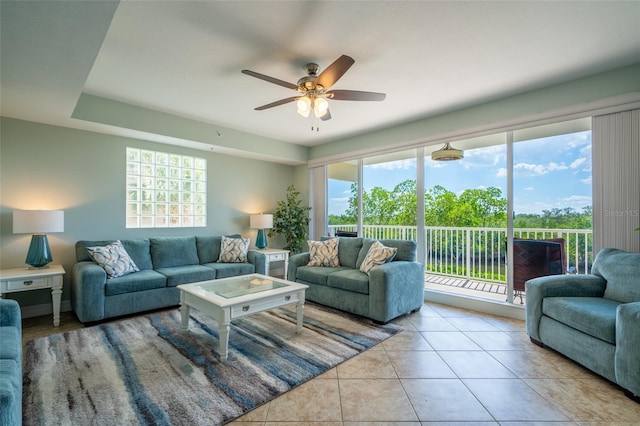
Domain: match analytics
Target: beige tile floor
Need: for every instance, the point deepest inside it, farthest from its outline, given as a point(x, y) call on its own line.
point(449, 367)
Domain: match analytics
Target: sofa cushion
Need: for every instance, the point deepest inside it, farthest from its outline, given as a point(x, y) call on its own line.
point(225, 270)
point(233, 250)
point(114, 259)
point(349, 279)
point(407, 249)
point(323, 253)
point(187, 274)
point(378, 254)
point(138, 281)
point(621, 270)
point(208, 248)
point(317, 274)
point(167, 252)
point(11, 343)
point(348, 250)
point(138, 250)
point(595, 316)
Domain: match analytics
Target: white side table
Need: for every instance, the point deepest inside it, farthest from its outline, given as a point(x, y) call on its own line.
point(275, 255)
point(24, 279)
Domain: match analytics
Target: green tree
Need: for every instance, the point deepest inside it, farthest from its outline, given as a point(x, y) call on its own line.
point(405, 200)
point(487, 206)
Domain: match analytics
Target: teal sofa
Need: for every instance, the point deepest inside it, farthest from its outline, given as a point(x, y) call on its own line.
point(593, 319)
point(164, 263)
point(388, 291)
point(10, 363)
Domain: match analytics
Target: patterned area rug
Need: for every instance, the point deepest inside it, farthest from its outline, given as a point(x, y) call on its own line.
point(146, 370)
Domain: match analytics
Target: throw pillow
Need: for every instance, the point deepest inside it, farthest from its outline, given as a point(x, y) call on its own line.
point(378, 254)
point(233, 250)
point(114, 259)
point(323, 253)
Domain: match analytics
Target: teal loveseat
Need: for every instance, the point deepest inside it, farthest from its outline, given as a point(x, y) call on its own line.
point(10, 363)
point(164, 263)
point(386, 292)
point(593, 319)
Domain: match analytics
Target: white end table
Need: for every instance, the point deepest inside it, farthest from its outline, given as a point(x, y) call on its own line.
point(275, 255)
point(24, 279)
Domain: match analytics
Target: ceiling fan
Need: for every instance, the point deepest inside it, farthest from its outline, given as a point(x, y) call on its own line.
point(314, 89)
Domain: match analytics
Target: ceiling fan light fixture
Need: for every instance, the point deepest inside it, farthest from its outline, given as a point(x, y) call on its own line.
point(447, 153)
point(304, 106)
point(320, 107)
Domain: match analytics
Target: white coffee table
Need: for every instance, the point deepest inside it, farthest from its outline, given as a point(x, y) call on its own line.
point(229, 298)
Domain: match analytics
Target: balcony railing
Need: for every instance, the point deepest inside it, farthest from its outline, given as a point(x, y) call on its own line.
point(480, 253)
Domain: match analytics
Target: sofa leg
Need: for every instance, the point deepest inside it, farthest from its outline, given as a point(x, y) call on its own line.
point(631, 396)
point(536, 342)
point(416, 310)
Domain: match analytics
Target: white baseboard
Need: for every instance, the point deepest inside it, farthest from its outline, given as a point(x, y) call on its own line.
point(502, 309)
point(44, 309)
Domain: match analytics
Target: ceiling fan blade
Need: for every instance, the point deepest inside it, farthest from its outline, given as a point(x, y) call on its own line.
point(270, 79)
point(277, 103)
point(333, 72)
point(355, 95)
point(326, 116)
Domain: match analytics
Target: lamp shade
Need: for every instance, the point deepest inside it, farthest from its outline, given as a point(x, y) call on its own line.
point(261, 221)
point(38, 221)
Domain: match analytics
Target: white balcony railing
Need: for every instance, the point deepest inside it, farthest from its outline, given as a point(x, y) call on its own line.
point(479, 253)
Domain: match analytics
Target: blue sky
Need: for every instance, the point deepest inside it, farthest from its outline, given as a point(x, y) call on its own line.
point(553, 172)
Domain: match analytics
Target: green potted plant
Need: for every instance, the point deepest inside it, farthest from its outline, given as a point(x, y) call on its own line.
point(291, 219)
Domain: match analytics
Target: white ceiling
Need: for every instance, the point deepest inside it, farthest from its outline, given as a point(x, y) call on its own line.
point(184, 58)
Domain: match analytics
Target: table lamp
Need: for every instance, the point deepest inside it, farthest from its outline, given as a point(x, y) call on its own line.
point(261, 222)
point(38, 223)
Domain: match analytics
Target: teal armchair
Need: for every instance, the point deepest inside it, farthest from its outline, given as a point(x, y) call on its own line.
point(593, 319)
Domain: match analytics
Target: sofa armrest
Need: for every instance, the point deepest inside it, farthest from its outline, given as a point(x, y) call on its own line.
point(627, 361)
point(10, 314)
point(88, 282)
point(557, 286)
point(395, 288)
point(259, 261)
point(296, 261)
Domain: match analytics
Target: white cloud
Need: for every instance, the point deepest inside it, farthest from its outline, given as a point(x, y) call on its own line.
point(578, 162)
point(529, 188)
point(578, 139)
point(527, 169)
point(586, 181)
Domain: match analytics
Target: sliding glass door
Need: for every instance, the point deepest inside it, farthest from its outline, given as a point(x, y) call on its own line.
point(532, 184)
point(342, 197)
point(466, 218)
point(389, 196)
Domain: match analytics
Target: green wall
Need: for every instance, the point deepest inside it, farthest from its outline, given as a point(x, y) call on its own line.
point(83, 173)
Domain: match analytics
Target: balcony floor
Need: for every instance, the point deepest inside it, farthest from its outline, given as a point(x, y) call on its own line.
point(467, 287)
